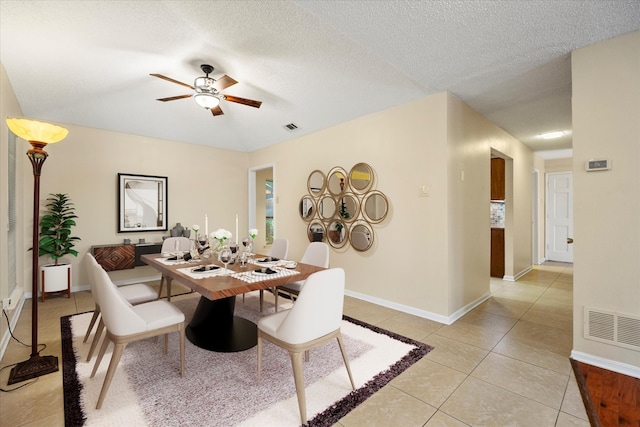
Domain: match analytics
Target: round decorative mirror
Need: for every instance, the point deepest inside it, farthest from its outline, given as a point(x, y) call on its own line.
point(375, 207)
point(361, 236)
point(307, 208)
point(337, 234)
point(316, 231)
point(337, 181)
point(316, 183)
point(348, 207)
point(361, 178)
point(326, 207)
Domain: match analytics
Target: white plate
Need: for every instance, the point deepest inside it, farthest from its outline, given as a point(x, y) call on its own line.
point(291, 265)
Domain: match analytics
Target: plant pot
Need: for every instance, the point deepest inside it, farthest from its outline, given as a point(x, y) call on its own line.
point(55, 278)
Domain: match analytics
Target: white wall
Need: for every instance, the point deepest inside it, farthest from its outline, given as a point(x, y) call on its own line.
point(606, 124)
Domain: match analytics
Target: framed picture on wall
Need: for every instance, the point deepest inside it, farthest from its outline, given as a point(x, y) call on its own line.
point(142, 203)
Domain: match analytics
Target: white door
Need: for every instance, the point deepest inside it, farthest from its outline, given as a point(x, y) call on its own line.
point(560, 217)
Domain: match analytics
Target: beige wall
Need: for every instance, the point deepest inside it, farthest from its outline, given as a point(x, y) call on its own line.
point(558, 165)
point(426, 142)
point(201, 180)
point(606, 124)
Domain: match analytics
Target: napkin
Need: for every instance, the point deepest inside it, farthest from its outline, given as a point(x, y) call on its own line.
point(268, 259)
point(205, 268)
point(265, 270)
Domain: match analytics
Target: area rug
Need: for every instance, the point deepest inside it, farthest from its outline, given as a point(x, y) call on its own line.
point(221, 389)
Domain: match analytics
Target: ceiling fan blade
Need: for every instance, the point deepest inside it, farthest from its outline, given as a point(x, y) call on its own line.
point(173, 98)
point(243, 101)
point(216, 111)
point(169, 79)
point(223, 83)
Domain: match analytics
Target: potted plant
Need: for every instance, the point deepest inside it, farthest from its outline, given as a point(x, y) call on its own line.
point(56, 241)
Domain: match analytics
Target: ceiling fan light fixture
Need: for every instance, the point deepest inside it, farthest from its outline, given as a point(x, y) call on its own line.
point(206, 100)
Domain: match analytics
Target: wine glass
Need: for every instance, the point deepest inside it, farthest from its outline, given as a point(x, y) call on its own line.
point(202, 243)
point(225, 257)
point(245, 242)
point(234, 249)
point(243, 259)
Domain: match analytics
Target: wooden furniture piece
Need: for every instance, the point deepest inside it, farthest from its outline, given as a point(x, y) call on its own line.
point(314, 320)
point(123, 257)
point(497, 252)
point(497, 179)
point(214, 325)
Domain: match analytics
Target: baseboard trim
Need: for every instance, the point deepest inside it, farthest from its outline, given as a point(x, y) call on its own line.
point(12, 325)
point(447, 320)
point(517, 276)
point(610, 365)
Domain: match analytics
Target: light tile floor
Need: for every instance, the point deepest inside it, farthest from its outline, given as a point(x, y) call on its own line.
point(506, 363)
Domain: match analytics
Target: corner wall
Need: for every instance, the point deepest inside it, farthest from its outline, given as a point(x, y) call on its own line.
point(606, 124)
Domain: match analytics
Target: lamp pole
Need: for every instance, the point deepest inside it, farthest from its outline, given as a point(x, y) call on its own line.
point(36, 365)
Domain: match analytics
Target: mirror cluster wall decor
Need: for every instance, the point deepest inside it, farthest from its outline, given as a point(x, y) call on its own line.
point(340, 207)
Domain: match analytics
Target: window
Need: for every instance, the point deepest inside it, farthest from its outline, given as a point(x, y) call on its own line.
point(11, 232)
point(269, 212)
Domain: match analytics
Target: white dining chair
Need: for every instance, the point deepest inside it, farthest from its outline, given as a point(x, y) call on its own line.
point(126, 323)
point(317, 253)
point(134, 294)
point(313, 320)
point(279, 249)
point(169, 247)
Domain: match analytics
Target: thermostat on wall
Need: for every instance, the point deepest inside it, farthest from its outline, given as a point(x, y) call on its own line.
point(597, 165)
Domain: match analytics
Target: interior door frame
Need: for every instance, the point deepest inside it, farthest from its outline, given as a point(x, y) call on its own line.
point(535, 243)
point(251, 219)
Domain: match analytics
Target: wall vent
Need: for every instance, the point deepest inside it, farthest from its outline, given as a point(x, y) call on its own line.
point(622, 330)
point(291, 127)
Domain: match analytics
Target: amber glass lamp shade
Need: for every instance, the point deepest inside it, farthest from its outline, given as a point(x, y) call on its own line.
point(35, 131)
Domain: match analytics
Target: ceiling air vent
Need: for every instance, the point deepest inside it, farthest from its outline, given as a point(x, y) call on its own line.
point(622, 330)
point(291, 127)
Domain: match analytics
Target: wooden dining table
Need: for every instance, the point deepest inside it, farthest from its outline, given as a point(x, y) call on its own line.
point(214, 325)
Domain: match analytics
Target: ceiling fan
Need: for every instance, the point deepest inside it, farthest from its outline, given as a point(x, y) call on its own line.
point(208, 91)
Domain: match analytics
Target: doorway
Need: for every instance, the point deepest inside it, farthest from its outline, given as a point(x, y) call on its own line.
point(262, 206)
point(559, 214)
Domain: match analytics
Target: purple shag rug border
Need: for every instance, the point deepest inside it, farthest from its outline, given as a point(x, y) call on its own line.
point(72, 388)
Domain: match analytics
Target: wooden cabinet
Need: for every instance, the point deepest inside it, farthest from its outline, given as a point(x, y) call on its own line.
point(115, 257)
point(123, 257)
point(497, 179)
point(497, 252)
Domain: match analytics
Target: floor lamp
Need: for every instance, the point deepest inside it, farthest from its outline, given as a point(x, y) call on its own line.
point(38, 134)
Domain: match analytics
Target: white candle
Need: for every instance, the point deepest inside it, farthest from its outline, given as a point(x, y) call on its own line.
point(237, 237)
point(206, 225)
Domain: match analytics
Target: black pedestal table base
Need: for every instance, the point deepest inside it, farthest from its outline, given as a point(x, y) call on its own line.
point(214, 327)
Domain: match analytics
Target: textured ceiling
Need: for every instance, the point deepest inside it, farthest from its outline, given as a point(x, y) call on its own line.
point(312, 63)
